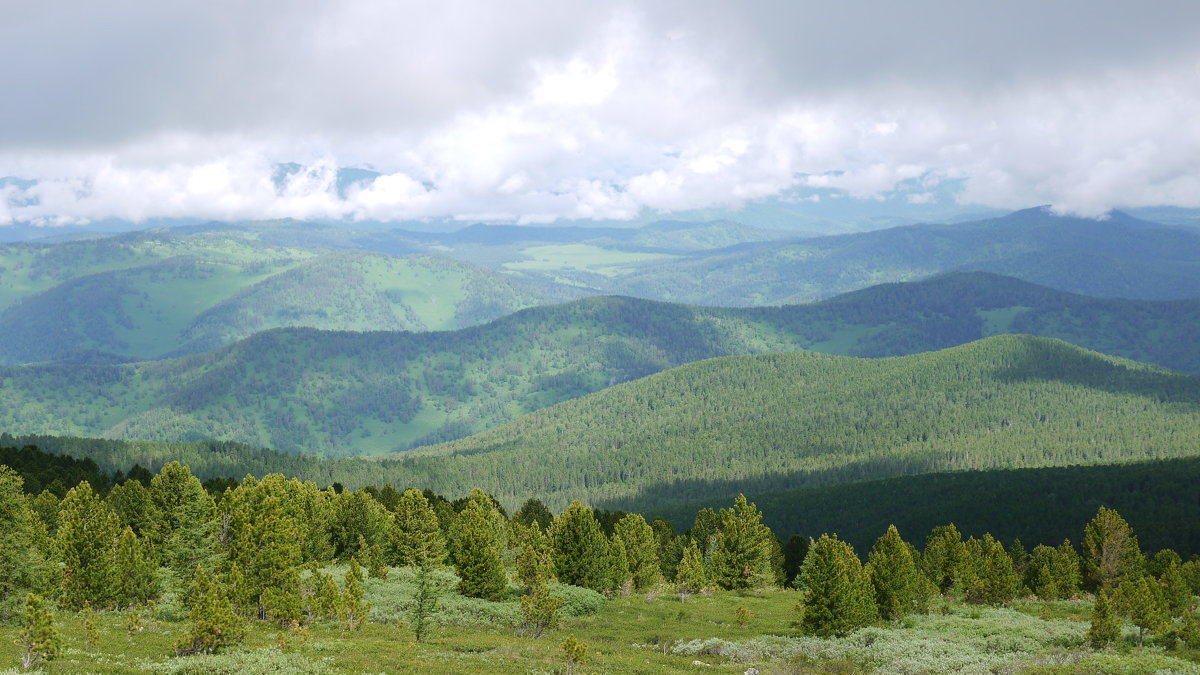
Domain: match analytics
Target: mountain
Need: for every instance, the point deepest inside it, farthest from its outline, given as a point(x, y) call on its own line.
point(712, 429)
point(344, 393)
point(1119, 256)
point(155, 294)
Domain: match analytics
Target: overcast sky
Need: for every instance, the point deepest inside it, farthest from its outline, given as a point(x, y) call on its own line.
point(535, 111)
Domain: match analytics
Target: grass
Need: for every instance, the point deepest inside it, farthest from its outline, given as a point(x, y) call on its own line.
point(640, 633)
point(604, 261)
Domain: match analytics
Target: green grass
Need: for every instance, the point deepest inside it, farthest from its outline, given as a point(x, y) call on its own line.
point(607, 262)
point(651, 633)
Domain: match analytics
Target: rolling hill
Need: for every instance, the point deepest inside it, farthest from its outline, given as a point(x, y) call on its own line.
point(154, 294)
point(348, 393)
point(1120, 256)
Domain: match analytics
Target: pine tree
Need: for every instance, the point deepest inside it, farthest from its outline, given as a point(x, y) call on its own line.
point(618, 566)
point(534, 561)
point(185, 509)
point(1112, 552)
point(793, 557)
point(1141, 600)
point(1189, 632)
point(534, 511)
point(741, 555)
point(39, 640)
point(641, 550)
point(690, 578)
point(669, 545)
point(1068, 570)
point(1105, 628)
point(944, 557)
point(893, 575)
point(134, 505)
point(214, 626)
point(838, 595)
point(327, 600)
point(477, 557)
point(1039, 573)
point(261, 537)
point(24, 567)
point(416, 535)
point(581, 552)
point(358, 517)
point(991, 578)
point(1176, 590)
point(87, 540)
point(575, 652)
point(371, 557)
point(355, 609)
point(137, 581)
point(425, 602)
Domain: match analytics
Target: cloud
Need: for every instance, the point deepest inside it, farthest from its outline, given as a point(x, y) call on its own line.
point(536, 111)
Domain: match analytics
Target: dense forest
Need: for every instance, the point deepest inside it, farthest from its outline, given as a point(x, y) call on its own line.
point(339, 393)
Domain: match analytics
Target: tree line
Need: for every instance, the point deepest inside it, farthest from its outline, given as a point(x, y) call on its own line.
point(262, 550)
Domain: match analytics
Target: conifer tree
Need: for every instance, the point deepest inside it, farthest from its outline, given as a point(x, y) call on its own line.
point(1068, 570)
point(372, 558)
point(618, 566)
point(137, 579)
point(534, 511)
point(1105, 628)
point(417, 537)
point(534, 562)
point(355, 609)
point(425, 602)
point(185, 509)
point(669, 545)
point(793, 557)
point(893, 575)
point(91, 635)
point(1111, 550)
point(991, 579)
point(838, 596)
point(944, 557)
point(477, 557)
point(46, 506)
point(134, 505)
point(214, 625)
point(39, 640)
point(23, 564)
point(1039, 573)
point(1189, 632)
point(741, 552)
point(87, 541)
point(261, 538)
point(1141, 599)
point(581, 552)
point(358, 517)
point(575, 652)
point(327, 599)
point(704, 530)
point(690, 578)
point(1175, 590)
point(641, 550)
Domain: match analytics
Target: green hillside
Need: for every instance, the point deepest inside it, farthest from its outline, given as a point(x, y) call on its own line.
point(1118, 257)
point(1039, 506)
point(154, 294)
point(785, 421)
point(339, 393)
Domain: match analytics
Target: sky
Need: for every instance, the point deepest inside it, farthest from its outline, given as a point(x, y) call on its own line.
point(562, 110)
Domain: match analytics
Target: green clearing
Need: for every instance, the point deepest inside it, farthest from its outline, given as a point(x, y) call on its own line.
point(642, 633)
point(608, 262)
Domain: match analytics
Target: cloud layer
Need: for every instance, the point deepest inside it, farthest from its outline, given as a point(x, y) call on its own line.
point(537, 111)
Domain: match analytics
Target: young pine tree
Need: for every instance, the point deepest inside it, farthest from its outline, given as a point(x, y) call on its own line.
point(1142, 600)
point(641, 550)
point(1111, 550)
point(185, 509)
point(581, 552)
point(137, 581)
point(91, 635)
point(477, 556)
point(214, 626)
point(1067, 570)
point(87, 541)
point(992, 579)
point(838, 596)
point(417, 537)
point(945, 557)
point(741, 555)
point(425, 602)
point(39, 640)
point(690, 577)
point(1105, 628)
point(355, 610)
point(894, 576)
point(23, 564)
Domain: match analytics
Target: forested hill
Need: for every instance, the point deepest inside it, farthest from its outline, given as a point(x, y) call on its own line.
point(338, 393)
point(786, 421)
point(1120, 256)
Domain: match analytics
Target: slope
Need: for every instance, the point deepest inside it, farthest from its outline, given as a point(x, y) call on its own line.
point(1117, 257)
point(336, 393)
point(786, 421)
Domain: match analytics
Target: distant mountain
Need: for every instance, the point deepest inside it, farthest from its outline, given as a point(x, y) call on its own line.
point(154, 294)
point(338, 393)
point(1120, 256)
point(711, 429)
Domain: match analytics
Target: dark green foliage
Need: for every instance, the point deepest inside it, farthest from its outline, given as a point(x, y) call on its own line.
point(989, 576)
point(581, 552)
point(185, 507)
point(477, 552)
point(741, 550)
point(41, 470)
point(944, 559)
point(641, 550)
point(416, 535)
point(838, 596)
point(1176, 590)
point(137, 574)
point(894, 576)
point(534, 511)
point(793, 557)
point(1111, 550)
point(1105, 628)
point(134, 505)
point(39, 640)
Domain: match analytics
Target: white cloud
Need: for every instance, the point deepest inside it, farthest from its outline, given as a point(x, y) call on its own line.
point(538, 111)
